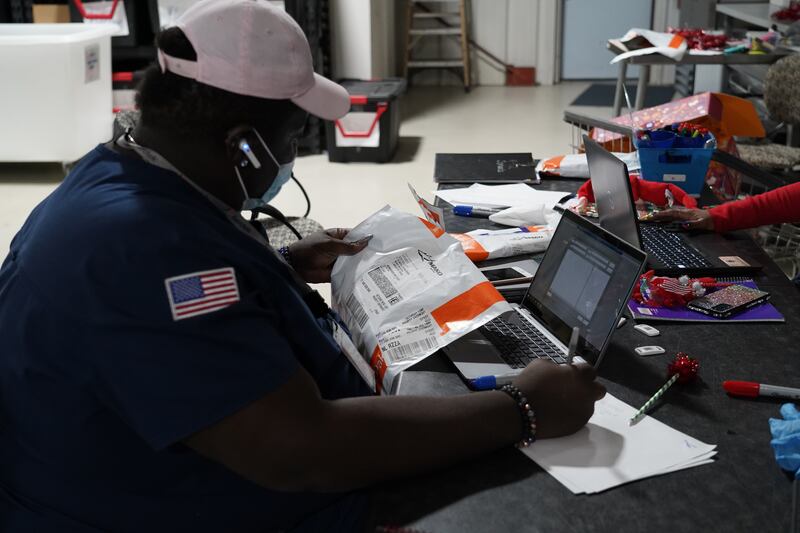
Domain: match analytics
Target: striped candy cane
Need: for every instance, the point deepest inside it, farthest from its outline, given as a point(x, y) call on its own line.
point(653, 399)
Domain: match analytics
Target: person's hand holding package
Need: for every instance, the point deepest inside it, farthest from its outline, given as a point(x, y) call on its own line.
point(313, 256)
point(562, 396)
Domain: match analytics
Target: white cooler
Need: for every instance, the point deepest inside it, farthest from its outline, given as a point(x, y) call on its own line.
point(55, 90)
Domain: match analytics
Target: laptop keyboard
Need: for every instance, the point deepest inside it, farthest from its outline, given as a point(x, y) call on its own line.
point(670, 249)
point(518, 346)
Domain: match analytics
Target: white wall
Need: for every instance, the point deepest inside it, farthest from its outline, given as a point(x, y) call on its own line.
point(369, 39)
point(666, 14)
point(384, 26)
point(506, 28)
point(351, 38)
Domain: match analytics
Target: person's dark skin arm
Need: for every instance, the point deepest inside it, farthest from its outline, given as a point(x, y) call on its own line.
point(293, 440)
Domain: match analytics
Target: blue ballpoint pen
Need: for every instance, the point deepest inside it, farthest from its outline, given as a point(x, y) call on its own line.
point(476, 212)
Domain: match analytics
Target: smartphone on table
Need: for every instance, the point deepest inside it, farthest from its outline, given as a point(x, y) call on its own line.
point(729, 301)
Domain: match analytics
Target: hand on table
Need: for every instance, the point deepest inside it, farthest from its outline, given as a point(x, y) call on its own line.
point(313, 256)
point(692, 218)
point(562, 396)
point(579, 208)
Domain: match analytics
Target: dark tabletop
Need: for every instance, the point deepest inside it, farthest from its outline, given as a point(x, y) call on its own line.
point(743, 490)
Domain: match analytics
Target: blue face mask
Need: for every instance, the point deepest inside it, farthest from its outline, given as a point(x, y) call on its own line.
point(281, 178)
point(284, 175)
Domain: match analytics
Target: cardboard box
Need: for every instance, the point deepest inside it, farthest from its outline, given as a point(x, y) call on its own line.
point(50, 13)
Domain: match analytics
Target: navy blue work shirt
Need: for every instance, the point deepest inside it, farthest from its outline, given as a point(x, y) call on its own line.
point(101, 379)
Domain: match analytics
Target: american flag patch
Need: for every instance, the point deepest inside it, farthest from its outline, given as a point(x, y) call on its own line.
point(199, 293)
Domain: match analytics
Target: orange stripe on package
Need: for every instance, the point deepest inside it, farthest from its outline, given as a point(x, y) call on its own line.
point(480, 245)
point(466, 305)
point(472, 247)
point(676, 41)
point(552, 166)
point(410, 292)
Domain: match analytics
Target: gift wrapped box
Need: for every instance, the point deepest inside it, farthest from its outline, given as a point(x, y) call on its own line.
point(724, 116)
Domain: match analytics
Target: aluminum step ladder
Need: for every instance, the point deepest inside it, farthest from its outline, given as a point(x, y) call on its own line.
point(430, 18)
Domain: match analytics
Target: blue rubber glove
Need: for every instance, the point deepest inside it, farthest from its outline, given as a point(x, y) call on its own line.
point(786, 438)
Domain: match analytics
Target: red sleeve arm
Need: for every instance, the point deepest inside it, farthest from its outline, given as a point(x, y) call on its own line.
point(773, 207)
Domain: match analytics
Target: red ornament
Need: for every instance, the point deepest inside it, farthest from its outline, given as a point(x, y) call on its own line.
point(661, 291)
point(685, 367)
point(700, 39)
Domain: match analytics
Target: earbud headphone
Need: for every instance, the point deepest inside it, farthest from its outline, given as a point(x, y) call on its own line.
point(242, 156)
point(241, 152)
point(244, 147)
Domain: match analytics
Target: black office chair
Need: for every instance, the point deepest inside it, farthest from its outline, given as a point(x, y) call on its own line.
point(782, 100)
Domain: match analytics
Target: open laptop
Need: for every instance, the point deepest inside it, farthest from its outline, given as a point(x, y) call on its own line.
point(584, 280)
point(669, 252)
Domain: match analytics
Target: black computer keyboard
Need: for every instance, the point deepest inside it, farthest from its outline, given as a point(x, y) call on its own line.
point(518, 345)
point(670, 249)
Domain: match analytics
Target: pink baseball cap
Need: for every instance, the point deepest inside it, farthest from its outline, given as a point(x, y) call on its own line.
point(253, 48)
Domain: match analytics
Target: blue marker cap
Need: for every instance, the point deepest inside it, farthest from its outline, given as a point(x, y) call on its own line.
point(484, 383)
point(462, 210)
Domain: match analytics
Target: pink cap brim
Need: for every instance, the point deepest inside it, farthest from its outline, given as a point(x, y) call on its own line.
point(326, 99)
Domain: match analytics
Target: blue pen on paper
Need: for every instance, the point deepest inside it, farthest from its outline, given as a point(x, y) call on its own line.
point(476, 212)
point(491, 382)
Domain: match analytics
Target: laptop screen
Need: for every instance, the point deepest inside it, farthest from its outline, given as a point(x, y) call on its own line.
point(612, 192)
point(584, 280)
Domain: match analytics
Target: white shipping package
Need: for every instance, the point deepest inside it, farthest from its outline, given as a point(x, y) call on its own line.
point(641, 42)
point(576, 166)
point(410, 292)
point(482, 245)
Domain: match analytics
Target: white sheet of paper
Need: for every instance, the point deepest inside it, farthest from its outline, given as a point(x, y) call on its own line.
point(609, 452)
point(510, 195)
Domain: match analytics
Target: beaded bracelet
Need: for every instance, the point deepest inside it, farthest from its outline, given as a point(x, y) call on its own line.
point(526, 413)
point(284, 251)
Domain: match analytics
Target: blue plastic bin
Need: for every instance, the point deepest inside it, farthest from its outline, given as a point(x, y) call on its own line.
point(684, 167)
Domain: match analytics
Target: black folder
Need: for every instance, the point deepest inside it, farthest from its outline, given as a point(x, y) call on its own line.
point(485, 168)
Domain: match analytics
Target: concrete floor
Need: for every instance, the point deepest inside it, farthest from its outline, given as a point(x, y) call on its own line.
point(436, 119)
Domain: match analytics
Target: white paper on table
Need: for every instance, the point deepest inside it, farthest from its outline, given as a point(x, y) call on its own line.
point(510, 195)
point(705, 52)
point(576, 489)
point(609, 452)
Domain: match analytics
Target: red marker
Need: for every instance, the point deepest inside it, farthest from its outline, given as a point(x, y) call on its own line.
point(753, 390)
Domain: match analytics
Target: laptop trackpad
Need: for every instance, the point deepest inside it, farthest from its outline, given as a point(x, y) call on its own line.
point(475, 356)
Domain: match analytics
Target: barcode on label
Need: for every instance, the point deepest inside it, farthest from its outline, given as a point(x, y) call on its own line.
point(408, 350)
point(357, 310)
point(389, 291)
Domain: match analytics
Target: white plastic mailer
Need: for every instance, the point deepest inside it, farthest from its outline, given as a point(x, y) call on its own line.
point(481, 245)
point(360, 128)
point(576, 165)
point(666, 44)
point(410, 292)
